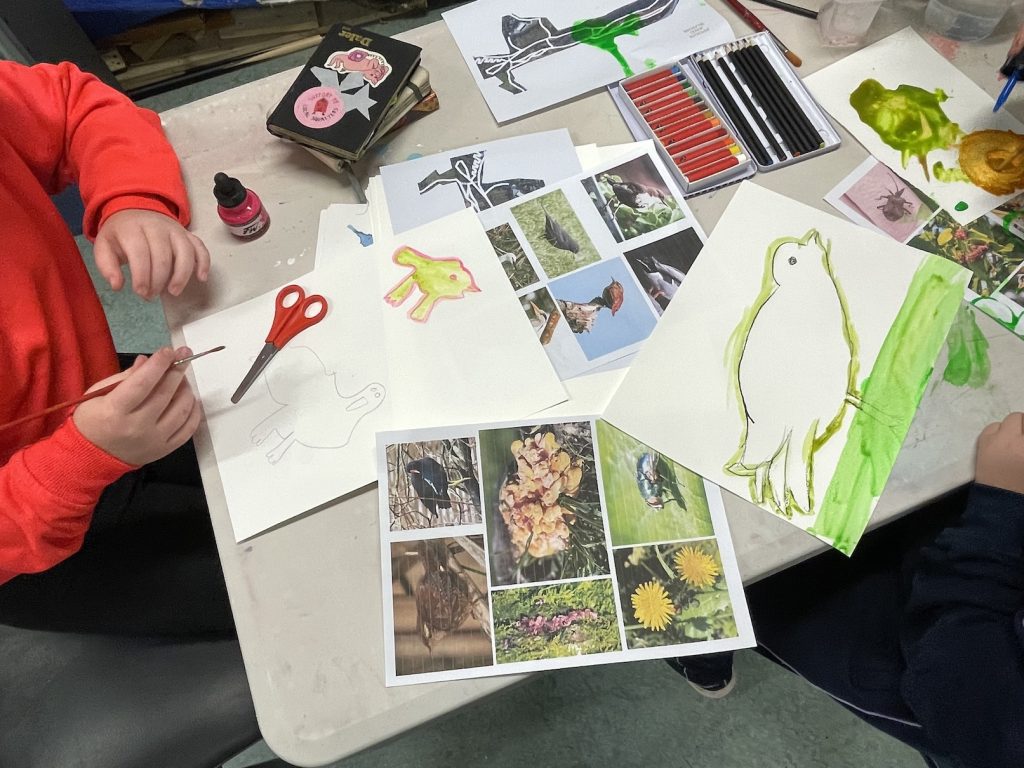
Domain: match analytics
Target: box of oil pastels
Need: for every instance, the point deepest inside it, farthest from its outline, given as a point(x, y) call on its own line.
point(725, 113)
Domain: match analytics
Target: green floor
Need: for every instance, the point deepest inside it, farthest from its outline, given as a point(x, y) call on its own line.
point(619, 715)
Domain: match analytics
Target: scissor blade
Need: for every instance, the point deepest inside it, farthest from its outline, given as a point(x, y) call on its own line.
point(264, 357)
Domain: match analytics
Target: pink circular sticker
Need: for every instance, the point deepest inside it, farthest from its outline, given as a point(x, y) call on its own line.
point(319, 107)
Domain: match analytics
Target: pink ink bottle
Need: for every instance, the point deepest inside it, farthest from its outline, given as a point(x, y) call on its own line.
point(239, 208)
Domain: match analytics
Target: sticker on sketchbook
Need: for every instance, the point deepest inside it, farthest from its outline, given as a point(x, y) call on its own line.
point(319, 107)
point(372, 66)
point(435, 279)
point(351, 90)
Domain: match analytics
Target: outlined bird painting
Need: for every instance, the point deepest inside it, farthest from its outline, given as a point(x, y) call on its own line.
point(790, 372)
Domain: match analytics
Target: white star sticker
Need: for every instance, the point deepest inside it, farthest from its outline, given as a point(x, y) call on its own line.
point(360, 101)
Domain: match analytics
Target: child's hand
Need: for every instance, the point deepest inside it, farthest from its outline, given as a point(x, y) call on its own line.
point(160, 253)
point(1000, 461)
point(148, 415)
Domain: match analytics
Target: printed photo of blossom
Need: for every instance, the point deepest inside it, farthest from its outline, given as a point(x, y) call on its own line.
point(673, 593)
point(543, 516)
point(532, 623)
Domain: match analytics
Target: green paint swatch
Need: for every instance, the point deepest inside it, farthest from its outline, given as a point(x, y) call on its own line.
point(942, 173)
point(967, 348)
point(961, 206)
point(909, 119)
point(602, 34)
point(891, 394)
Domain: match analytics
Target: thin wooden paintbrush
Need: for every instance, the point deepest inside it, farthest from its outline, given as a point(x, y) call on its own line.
point(759, 26)
point(91, 395)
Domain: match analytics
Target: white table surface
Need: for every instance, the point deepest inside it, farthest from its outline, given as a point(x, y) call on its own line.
point(307, 596)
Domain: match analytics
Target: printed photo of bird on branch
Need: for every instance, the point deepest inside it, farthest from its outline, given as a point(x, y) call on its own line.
point(633, 199)
point(439, 599)
point(433, 484)
point(544, 520)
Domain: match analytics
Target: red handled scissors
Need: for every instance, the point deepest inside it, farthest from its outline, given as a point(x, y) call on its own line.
point(290, 319)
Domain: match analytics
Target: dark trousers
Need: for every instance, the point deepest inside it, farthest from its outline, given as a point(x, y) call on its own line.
point(835, 622)
point(148, 566)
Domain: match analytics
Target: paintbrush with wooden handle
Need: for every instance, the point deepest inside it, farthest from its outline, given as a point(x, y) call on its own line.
point(90, 395)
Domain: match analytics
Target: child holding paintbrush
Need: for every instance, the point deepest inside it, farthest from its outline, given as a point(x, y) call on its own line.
point(63, 471)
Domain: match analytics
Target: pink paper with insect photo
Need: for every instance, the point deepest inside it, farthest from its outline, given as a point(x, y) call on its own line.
point(888, 202)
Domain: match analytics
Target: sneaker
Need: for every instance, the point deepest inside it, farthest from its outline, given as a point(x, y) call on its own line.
point(709, 683)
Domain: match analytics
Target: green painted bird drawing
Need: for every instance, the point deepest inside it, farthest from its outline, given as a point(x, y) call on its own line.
point(435, 279)
point(794, 362)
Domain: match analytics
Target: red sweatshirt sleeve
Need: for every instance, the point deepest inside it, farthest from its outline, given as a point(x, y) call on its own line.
point(75, 128)
point(49, 490)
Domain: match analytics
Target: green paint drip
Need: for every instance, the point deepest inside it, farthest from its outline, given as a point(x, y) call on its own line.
point(942, 173)
point(650, 63)
point(891, 394)
point(909, 119)
point(961, 206)
point(602, 34)
point(967, 349)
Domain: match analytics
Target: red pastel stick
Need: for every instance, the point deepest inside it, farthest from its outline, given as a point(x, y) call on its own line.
point(648, 79)
point(684, 139)
point(713, 168)
point(705, 141)
point(670, 108)
point(669, 90)
point(690, 130)
point(688, 164)
point(687, 111)
point(699, 154)
point(667, 128)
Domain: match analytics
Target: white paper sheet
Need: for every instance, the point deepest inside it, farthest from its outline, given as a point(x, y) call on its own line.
point(304, 434)
point(633, 249)
point(906, 59)
point(477, 177)
point(777, 369)
point(345, 228)
point(526, 55)
point(629, 559)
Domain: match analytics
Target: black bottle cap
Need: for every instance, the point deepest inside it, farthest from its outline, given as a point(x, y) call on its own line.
point(228, 190)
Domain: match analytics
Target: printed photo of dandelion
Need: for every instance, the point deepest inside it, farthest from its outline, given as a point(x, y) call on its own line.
point(543, 519)
point(673, 593)
point(532, 623)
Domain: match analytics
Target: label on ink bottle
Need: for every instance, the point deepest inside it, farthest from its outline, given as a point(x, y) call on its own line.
point(252, 227)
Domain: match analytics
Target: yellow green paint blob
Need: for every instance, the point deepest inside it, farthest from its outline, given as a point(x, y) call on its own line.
point(967, 352)
point(907, 118)
point(944, 174)
point(602, 34)
point(893, 390)
point(650, 63)
point(961, 206)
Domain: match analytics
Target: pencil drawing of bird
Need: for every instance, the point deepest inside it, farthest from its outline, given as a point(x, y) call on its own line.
point(436, 279)
point(430, 482)
point(795, 372)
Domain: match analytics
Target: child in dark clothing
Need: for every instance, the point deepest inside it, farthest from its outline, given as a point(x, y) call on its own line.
point(921, 632)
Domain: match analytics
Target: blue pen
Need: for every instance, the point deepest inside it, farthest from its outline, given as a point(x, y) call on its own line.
point(1012, 69)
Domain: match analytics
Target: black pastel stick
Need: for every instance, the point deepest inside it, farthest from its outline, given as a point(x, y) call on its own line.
point(733, 111)
point(783, 118)
point(751, 108)
point(759, 56)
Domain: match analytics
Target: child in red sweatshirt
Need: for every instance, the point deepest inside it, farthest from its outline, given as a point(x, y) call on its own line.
point(57, 126)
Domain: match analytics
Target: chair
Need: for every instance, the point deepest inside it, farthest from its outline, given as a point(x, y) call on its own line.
point(94, 701)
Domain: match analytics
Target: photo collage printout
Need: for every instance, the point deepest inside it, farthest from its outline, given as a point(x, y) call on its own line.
point(596, 258)
point(523, 546)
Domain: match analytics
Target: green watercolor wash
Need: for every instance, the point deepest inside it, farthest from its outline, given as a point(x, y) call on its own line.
point(894, 387)
point(944, 174)
point(967, 352)
point(650, 63)
point(602, 34)
point(909, 119)
point(961, 206)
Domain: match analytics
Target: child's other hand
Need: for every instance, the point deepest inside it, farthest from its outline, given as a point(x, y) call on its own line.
point(1000, 461)
point(160, 253)
point(149, 414)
